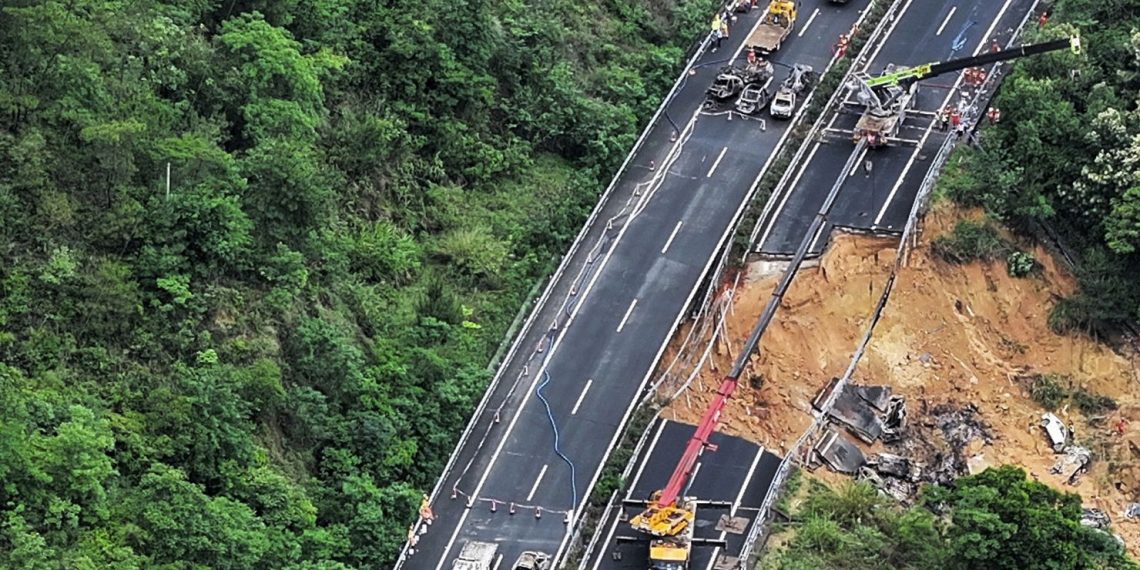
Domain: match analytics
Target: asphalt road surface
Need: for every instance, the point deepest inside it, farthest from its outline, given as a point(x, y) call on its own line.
point(738, 473)
point(880, 198)
point(631, 292)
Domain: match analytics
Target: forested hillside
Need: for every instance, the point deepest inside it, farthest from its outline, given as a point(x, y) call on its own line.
point(1066, 154)
point(264, 364)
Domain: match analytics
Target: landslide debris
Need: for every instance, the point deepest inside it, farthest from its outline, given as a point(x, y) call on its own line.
point(965, 344)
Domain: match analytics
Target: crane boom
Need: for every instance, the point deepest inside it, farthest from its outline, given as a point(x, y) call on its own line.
point(928, 70)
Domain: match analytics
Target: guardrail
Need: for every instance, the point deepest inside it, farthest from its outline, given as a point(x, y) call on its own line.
point(539, 305)
point(918, 208)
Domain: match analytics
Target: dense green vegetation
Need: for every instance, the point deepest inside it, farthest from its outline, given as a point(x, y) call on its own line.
point(1066, 154)
point(998, 520)
point(264, 365)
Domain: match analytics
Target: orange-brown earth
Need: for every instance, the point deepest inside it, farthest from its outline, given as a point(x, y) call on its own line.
point(950, 333)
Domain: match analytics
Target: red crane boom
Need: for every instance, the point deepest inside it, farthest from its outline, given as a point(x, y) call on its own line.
point(697, 443)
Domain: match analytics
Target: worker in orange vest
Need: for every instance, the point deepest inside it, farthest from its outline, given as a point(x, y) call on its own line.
point(995, 46)
point(841, 46)
point(994, 114)
point(955, 118)
point(1044, 19)
point(751, 56)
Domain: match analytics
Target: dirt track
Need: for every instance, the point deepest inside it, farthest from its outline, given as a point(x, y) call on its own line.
point(950, 333)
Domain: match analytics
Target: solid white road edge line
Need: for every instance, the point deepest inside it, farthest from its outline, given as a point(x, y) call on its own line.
point(632, 486)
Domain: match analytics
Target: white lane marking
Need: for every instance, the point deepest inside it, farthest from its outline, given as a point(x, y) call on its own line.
point(693, 477)
point(886, 35)
point(534, 488)
point(671, 236)
point(736, 503)
point(636, 477)
point(784, 200)
point(717, 163)
point(628, 311)
point(810, 20)
point(581, 397)
point(949, 95)
point(858, 162)
point(498, 562)
point(574, 313)
point(946, 21)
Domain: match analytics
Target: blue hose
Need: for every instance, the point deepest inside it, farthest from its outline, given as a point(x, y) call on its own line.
point(554, 426)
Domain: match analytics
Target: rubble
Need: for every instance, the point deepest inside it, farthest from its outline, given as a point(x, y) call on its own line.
point(1133, 511)
point(839, 453)
point(944, 443)
point(1094, 518)
point(1074, 462)
point(869, 412)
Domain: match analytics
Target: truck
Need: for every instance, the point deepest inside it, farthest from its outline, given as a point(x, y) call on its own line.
point(477, 556)
point(775, 26)
point(784, 102)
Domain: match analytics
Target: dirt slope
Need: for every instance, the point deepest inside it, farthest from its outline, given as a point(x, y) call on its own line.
point(950, 333)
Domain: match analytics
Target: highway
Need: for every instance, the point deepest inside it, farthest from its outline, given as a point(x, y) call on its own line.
point(738, 473)
point(631, 280)
point(879, 199)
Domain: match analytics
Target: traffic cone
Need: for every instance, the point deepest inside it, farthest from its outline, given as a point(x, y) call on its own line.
point(673, 137)
point(566, 519)
point(652, 165)
point(454, 493)
point(511, 509)
point(538, 512)
point(494, 505)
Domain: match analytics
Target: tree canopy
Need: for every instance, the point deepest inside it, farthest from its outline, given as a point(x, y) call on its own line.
point(998, 519)
point(1067, 154)
point(264, 363)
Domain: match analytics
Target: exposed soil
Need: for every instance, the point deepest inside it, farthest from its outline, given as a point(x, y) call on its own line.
point(950, 334)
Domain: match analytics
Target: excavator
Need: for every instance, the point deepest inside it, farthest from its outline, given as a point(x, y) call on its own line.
point(887, 97)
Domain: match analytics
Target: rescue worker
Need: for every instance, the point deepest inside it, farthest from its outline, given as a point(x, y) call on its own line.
point(995, 46)
point(751, 57)
point(955, 119)
point(841, 46)
point(1044, 19)
point(945, 119)
point(994, 115)
point(716, 25)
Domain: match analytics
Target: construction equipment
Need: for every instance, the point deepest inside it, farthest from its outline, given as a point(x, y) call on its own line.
point(777, 24)
point(784, 103)
point(888, 97)
point(477, 556)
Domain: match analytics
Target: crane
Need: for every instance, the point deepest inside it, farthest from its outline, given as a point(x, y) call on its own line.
point(888, 96)
point(669, 514)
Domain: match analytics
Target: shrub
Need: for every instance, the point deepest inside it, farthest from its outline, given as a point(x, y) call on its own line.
point(970, 241)
point(1092, 404)
point(1020, 263)
point(1046, 390)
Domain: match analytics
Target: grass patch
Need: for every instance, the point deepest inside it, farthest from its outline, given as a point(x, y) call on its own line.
point(1047, 390)
point(971, 241)
point(1091, 404)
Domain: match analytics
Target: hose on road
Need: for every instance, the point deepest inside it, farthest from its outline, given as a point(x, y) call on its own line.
point(554, 427)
